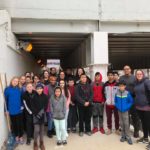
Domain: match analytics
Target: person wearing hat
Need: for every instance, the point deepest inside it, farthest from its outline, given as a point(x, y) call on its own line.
point(39, 104)
point(123, 102)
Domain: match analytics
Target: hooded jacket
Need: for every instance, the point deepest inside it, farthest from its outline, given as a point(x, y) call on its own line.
point(123, 101)
point(110, 90)
point(142, 92)
point(97, 88)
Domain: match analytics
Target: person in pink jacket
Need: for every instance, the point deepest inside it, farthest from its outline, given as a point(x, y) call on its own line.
point(67, 94)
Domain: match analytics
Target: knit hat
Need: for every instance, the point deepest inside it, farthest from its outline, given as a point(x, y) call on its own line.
point(40, 85)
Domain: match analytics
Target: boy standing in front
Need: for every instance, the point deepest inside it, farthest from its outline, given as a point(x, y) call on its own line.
point(123, 102)
point(98, 104)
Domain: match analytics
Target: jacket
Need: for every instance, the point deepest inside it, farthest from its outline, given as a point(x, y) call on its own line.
point(97, 88)
point(58, 107)
point(13, 100)
point(142, 92)
point(123, 101)
point(83, 93)
point(110, 90)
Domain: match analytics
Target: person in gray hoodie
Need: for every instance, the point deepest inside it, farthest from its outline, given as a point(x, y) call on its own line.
point(58, 110)
point(142, 103)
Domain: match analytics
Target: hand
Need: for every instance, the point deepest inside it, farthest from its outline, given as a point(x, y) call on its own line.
point(6, 113)
point(86, 104)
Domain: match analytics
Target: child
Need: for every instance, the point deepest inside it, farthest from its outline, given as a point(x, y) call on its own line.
point(110, 89)
point(66, 93)
point(84, 98)
point(39, 104)
point(27, 100)
point(123, 102)
point(98, 103)
point(72, 117)
point(58, 110)
point(14, 108)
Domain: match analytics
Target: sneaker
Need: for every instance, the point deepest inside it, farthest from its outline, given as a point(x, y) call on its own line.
point(123, 139)
point(102, 130)
point(109, 132)
point(21, 141)
point(59, 143)
point(89, 133)
point(81, 134)
point(143, 140)
point(73, 130)
point(117, 132)
point(148, 147)
point(64, 142)
point(28, 141)
point(94, 130)
point(68, 130)
point(129, 141)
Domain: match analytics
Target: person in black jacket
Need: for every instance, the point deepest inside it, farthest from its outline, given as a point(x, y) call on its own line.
point(83, 94)
point(27, 98)
point(39, 104)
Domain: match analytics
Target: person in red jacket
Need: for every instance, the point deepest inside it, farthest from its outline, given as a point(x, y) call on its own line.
point(98, 103)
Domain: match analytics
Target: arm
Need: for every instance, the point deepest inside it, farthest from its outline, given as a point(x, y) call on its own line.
point(64, 104)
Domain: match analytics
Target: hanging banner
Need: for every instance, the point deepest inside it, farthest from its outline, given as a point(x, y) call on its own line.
point(53, 63)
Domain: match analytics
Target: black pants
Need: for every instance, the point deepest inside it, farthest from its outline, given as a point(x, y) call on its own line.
point(72, 117)
point(85, 114)
point(145, 119)
point(29, 125)
point(135, 120)
point(17, 124)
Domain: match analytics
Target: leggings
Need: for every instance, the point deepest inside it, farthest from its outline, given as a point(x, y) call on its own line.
point(38, 131)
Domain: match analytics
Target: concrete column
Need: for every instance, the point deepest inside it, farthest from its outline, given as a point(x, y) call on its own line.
point(99, 54)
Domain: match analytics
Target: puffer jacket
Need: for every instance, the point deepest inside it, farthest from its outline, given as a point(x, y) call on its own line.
point(123, 101)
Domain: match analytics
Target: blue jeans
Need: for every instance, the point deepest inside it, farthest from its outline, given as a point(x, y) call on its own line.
point(50, 121)
point(60, 129)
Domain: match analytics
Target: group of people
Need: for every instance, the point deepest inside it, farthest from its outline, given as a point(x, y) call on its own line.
point(62, 100)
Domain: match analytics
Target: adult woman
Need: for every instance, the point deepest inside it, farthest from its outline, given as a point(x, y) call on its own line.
point(142, 103)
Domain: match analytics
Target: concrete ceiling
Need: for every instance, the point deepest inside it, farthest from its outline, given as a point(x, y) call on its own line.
point(52, 45)
point(131, 48)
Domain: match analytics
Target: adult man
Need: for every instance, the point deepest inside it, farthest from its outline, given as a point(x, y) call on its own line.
point(129, 79)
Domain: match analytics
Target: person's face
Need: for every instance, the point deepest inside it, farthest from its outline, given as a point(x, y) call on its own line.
point(15, 82)
point(80, 71)
point(139, 75)
point(83, 79)
point(52, 80)
point(57, 92)
point(116, 77)
point(28, 74)
point(110, 76)
point(127, 70)
point(46, 74)
point(53, 71)
point(68, 72)
point(39, 90)
point(97, 78)
point(71, 83)
point(28, 80)
point(122, 87)
point(29, 88)
point(36, 79)
point(62, 75)
point(22, 80)
point(62, 84)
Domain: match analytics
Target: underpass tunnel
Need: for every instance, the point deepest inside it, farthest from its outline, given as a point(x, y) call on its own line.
point(129, 49)
point(73, 49)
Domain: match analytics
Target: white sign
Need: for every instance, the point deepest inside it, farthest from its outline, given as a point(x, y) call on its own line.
point(53, 63)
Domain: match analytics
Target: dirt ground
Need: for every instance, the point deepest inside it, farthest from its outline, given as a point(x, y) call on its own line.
point(95, 142)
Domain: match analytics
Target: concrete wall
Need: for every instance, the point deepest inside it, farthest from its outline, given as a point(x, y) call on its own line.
point(12, 62)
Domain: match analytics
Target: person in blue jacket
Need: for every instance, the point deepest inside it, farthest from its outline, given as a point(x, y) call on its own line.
point(123, 102)
point(14, 108)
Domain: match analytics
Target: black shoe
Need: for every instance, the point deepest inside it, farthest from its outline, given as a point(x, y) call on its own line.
point(28, 141)
point(68, 130)
point(49, 134)
point(64, 142)
point(143, 140)
point(53, 132)
point(73, 130)
point(59, 143)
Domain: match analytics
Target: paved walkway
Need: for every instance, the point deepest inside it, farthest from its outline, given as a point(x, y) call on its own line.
point(95, 142)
